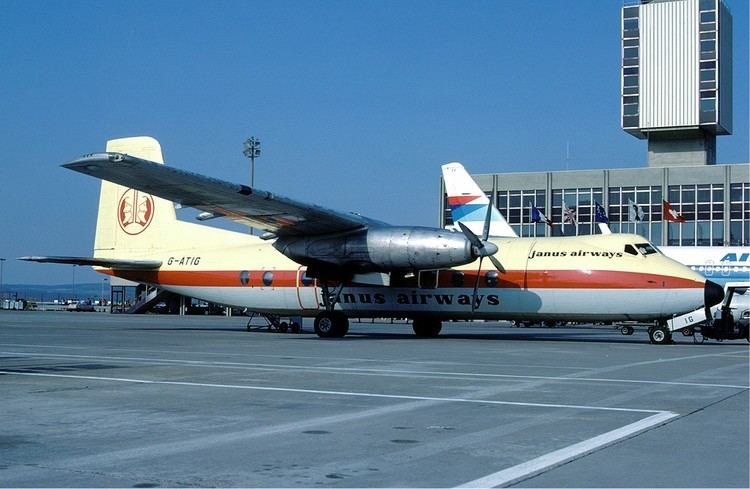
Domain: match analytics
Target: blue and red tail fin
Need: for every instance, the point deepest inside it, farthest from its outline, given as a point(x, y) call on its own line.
point(468, 203)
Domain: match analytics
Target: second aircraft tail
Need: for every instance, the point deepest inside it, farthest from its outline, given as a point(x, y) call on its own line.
point(468, 203)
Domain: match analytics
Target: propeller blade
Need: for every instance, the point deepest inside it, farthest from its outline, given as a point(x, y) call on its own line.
point(498, 265)
point(476, 286)
point(473, 238)
point(488, 217)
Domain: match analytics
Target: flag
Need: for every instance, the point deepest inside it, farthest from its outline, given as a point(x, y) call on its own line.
point(601, 214)
point(635, 213)
point(569, 215)
point(538, 216)
point(671, 214)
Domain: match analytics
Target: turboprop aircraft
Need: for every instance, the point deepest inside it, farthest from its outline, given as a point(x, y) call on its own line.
point(321, 263)
point(727, 266)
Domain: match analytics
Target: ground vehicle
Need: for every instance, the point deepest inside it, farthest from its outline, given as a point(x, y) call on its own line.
point(80, 307)
point(731, 321)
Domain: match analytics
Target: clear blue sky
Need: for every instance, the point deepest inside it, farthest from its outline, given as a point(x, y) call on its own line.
point(357, 103)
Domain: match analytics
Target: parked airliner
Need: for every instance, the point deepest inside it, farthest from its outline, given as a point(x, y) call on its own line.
point(330, 265)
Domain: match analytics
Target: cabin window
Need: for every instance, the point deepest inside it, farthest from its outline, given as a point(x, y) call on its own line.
point(267, 278)
point(630, 249)
point(244, 277)
point(305, 280)
point(491, 278)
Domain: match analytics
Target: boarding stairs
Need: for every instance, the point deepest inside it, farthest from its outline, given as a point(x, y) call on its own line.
point(147, 300)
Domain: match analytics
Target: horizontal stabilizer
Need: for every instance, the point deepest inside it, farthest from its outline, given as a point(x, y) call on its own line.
point(97, 262)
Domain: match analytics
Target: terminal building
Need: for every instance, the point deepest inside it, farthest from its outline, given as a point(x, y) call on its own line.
point(676, 94)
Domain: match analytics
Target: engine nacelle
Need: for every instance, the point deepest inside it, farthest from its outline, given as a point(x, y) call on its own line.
point(381, 249)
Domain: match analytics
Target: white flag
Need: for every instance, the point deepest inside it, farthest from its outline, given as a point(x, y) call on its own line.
point(569, 215)
point(635, 213)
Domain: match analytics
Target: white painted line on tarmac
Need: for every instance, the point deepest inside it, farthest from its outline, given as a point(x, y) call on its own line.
point(534, 466)
point(368, 371)
point(332, 393)
point(296, 357)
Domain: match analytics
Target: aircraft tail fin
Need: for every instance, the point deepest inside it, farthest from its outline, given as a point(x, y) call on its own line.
point(468, 203)
point(131, 223)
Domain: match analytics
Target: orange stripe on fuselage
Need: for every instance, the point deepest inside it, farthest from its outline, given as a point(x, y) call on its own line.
point(531, 279)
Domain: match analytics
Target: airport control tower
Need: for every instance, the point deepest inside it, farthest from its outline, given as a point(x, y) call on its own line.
point(677, 78)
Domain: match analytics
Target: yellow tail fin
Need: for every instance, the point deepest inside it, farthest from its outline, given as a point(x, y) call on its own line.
point(131, 223)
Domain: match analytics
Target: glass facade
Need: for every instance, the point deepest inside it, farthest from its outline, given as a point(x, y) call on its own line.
point(648, 198)
point(702, 206)
point(708, 62)
point(581, 202)
point(515, 205)
point(630, 67)
point(739, 214)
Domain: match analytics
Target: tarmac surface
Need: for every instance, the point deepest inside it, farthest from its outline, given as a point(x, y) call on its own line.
point(93, 400)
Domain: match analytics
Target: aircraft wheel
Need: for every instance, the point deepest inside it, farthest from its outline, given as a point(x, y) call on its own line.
point(659, 335)
point(283, 327)
point(295, 327)
point(698, 338)
point(331, 324)
point(325, 324)
point(426, 327)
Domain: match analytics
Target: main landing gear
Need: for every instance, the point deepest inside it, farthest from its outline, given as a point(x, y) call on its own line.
point(330, 323)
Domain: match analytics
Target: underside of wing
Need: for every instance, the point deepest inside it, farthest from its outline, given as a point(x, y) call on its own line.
point(97, 262)
point(254, 207)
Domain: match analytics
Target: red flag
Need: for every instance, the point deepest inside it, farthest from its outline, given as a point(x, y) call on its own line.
point(671, 214)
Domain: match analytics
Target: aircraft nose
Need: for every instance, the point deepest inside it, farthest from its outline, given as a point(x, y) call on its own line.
point(713, 293)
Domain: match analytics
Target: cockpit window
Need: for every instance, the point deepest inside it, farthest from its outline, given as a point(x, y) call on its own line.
point(645, 248)
point(630, 249)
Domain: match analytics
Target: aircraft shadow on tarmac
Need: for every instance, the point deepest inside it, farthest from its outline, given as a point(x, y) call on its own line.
point(569, 336)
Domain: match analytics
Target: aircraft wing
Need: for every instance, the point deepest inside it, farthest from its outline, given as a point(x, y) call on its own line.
point(257, 208)
point(97, 262)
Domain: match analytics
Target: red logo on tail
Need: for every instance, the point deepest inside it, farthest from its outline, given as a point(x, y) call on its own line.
point(135, 211)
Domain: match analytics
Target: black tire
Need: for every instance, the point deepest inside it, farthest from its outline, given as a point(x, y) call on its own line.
point(331, 324)
point(325, 324)
point(295, 327)
point(659, 335)
point(426, 327)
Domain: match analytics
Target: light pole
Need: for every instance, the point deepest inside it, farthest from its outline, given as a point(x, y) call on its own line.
point(74, 284)
point(252, 151)
point(2, 262)
point(101, 295)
